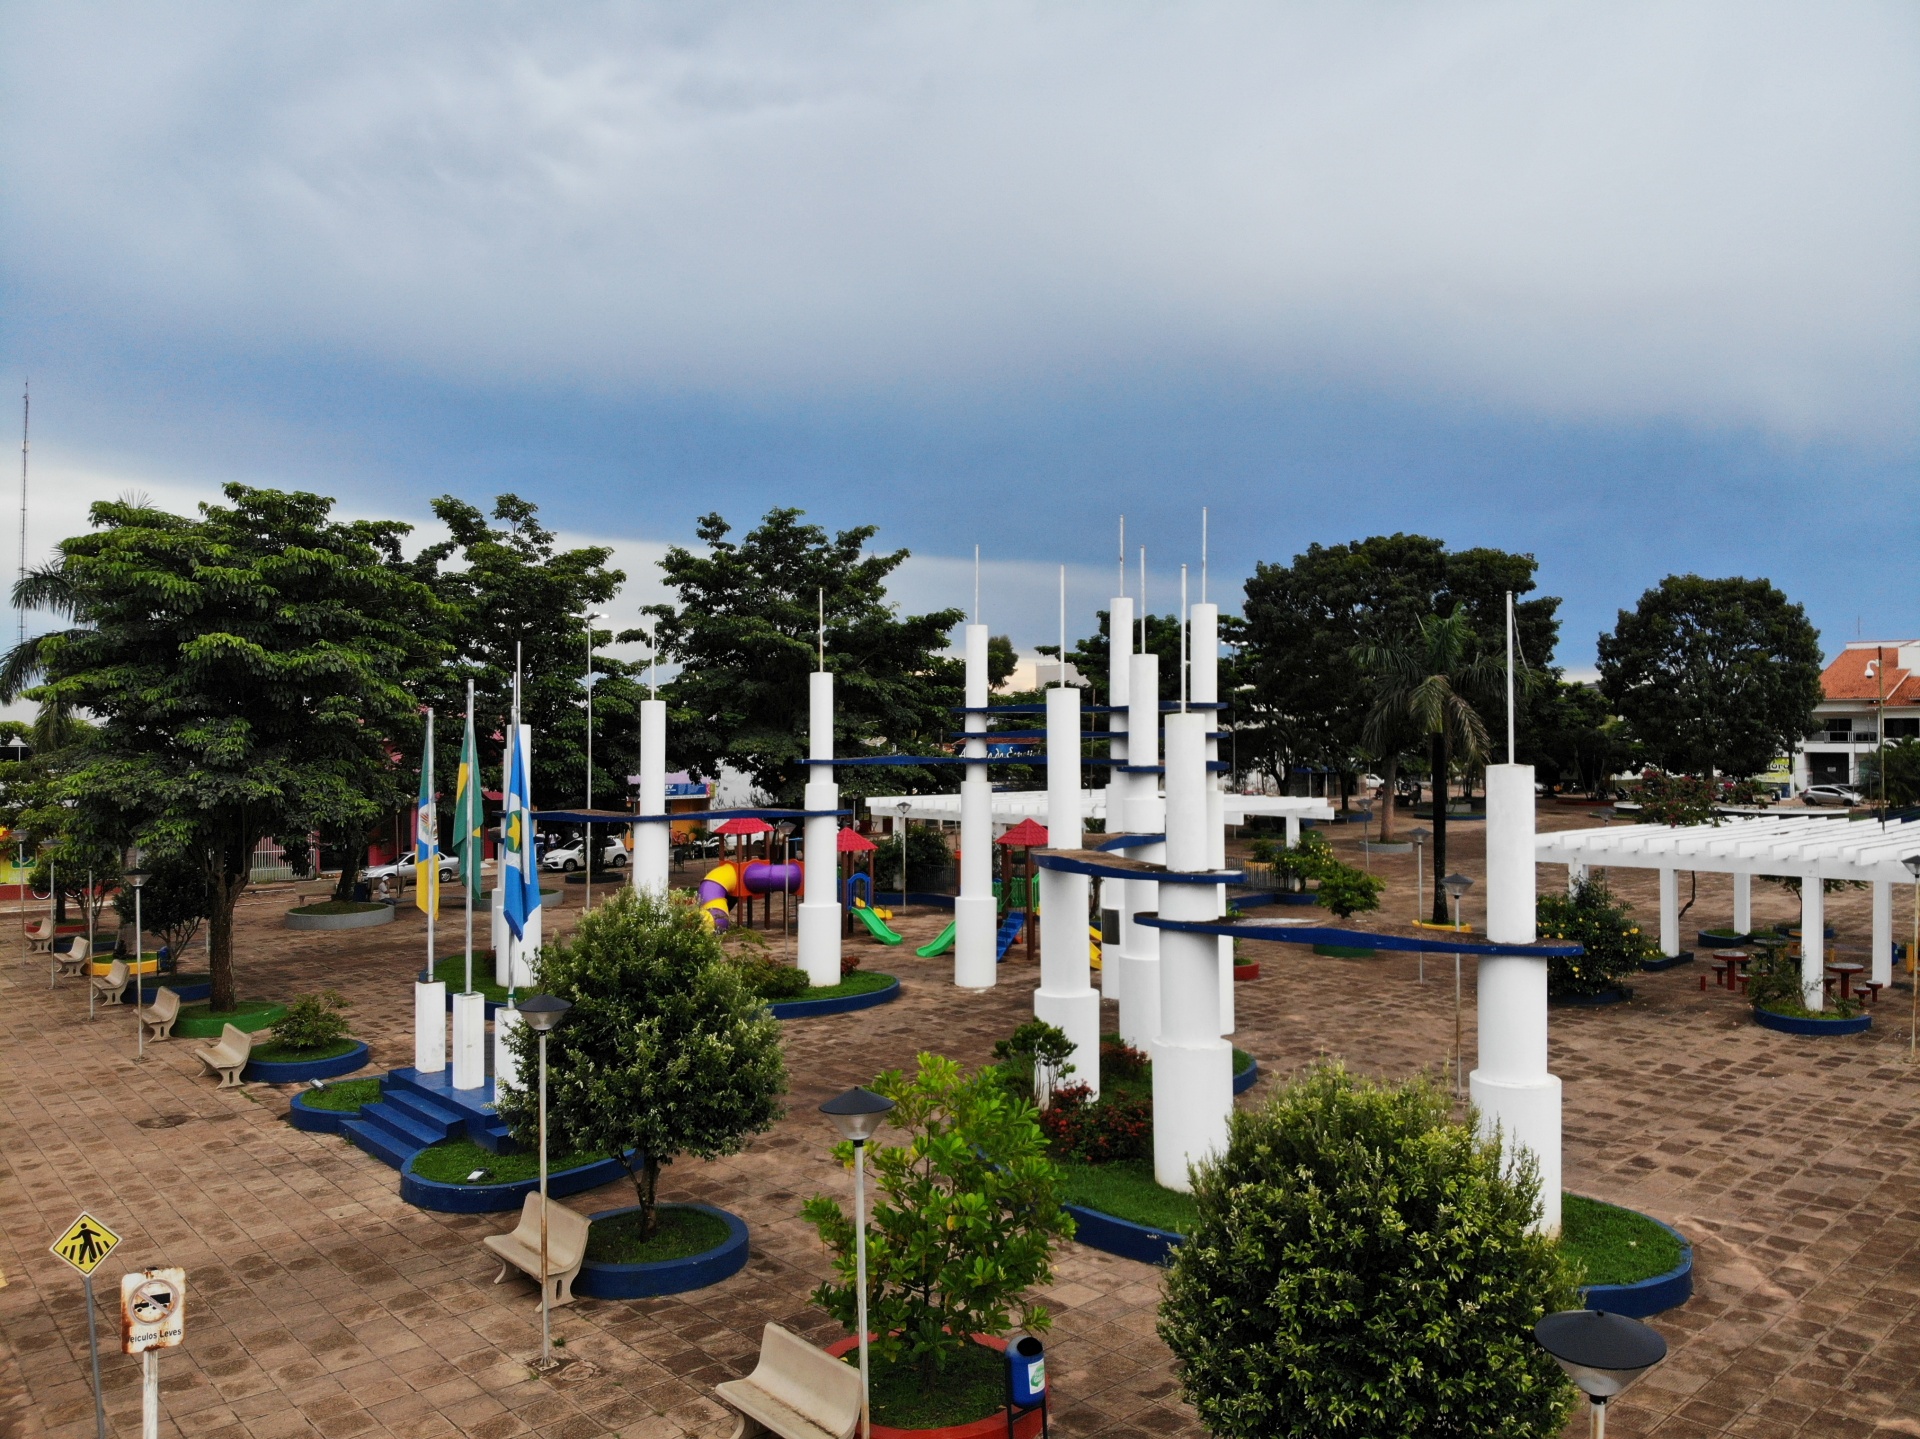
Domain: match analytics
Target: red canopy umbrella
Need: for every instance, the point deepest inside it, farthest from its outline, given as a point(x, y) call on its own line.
point(740, 825)
point(1024, 835)
point(851, 841)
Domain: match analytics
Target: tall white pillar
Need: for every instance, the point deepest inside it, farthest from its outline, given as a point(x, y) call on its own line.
point(1813, 942)
point(1192, 1064)
point(653, 842)
point(429, 1026)
point(1120, 786)
point(1669, 911)
point(1292, 823)
point(1203, 687)
point(1576, 872)
point(1065, 998)
point(1881, 970)
point(975, 966)
point(1743, 903)
point(820, 893)
point(1146, 814)
point(469, 1041)
point(1511, 1086)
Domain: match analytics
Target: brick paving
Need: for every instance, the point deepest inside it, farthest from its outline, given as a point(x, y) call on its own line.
point(321, 1304)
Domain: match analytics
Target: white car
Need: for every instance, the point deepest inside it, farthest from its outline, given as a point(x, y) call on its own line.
point(1831, 794)
point(570, 857)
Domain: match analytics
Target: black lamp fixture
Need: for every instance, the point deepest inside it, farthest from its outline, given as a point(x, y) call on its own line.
point(858, 1114)
point(1456, 885)
point(543, 1012)
point(1603, 1354)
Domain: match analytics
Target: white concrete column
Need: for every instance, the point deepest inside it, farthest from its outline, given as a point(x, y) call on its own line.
point(1120, 786)
point(1881, 970)
point(1515, 1094)
point(1139, 977)
point(1066, 999)
point(506, 1069)
point(1813, 942)
point(653, 843)
point(1192, 1064)
point(1203, 688)
point(1743, 903)
point(429, 1026)
point(497, 929)
point(469, 1041)
point(1576, 871)
point(1292, 823)
point(1669, 911)
point(975, 966)
point(819, 927)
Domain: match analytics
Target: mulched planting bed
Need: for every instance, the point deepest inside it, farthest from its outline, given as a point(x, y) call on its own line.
point(679, 1234)
point(452, 1160)
point(342, 1094)
point(1614, 1245)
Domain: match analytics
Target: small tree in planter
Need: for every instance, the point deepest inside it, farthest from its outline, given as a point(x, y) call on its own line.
point(665, 1052)
point(1348, 891)
point(1603, 925)
point(1363, 1264)
point(965, 1224)
point(173, 902)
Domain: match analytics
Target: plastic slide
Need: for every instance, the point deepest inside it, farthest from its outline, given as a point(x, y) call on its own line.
point(940, 946)
point(876, 926)
point(725, 883)
point(1093, 947)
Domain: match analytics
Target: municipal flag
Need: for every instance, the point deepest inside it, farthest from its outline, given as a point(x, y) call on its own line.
point(426, 835)
point(467, 829)
point(518, 873)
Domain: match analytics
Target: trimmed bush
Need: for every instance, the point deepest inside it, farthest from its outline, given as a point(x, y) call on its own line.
point(312, 1022)
point(1348, 891)
point(1592, 917)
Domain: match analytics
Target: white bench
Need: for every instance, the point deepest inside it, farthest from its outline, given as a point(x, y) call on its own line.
point(160, 1015)
point(566, 1246)
point(40, 937)
point(75, 959)
point(111, 985)
point(228, 1057)
point(795, 1391)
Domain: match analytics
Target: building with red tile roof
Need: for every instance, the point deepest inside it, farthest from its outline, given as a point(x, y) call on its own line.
point(1872, 689)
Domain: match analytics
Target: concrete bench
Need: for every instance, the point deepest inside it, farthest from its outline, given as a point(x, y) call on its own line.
point(76, 958)
point(228, 1057)
point(40, 937)
point(566, 1247)
point(795, 1391)
point(111, 985)
point(160, 1015)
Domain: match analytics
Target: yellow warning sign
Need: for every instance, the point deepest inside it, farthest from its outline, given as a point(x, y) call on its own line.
point(86, 1243)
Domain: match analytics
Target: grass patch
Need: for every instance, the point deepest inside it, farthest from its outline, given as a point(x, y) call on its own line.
point(340, 906)
point(1344, 951)
point(680, 1234)
point(1126, 1190)
point(1612, 1245)
point(287, 1054)
point(971, 1387)
point(861, 981)
point(344, 1095)
point(452, 1160)
point(196, 1021)
point(452, 972)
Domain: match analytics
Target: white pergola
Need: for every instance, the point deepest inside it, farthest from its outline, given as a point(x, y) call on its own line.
point(1012, 806)
point(1810, 847)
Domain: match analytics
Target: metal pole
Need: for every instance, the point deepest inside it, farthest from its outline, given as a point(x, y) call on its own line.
point(53, 913)
point(1599, 1407)
point(1457, 1057)
point(93, 1345)
point(860, 1276)
point(150, 1394)
point(546, 1284)
point(139, 955)
point(1913, 972)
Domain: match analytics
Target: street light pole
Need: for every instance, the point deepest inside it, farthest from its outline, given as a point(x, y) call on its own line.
point(1457, 885)
point(1912, 863)
point(137, 877)
point(542, 1013)
point(903, 807)
point(858, 1114)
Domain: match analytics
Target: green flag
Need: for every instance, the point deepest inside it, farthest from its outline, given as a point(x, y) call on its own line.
point(468, 842)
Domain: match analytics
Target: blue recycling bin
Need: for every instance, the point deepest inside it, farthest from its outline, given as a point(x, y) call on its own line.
point(1026, 1371)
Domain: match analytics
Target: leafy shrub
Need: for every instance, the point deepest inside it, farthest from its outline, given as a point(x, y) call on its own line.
point(1362, 1264)
point(770, 979)
point(1261, 850)
point(965, 1224)
point(1306, 860)
point(1115, 1126)
point(313, 1021)
point(1033, 1060)
point(1592, 917)
point(927, 854)
point(1121, 1063)
point(1347, 891)
point(1773, 984)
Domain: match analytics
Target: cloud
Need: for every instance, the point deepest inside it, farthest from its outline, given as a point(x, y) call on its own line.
point(1701, 211)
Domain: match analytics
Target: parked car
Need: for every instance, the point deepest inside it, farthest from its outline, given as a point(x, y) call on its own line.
point(1837, 794)
point(570, 857)
point(402, 872)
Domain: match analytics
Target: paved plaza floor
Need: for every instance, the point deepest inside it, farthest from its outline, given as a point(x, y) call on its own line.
point(322, 1304)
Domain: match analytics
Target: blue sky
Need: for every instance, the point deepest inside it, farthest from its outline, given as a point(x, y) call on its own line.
point(1629, 287)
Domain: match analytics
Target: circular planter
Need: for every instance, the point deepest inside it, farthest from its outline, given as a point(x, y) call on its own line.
point(1666, 961)
point(1647, 1296)
point(492, 1198)
point(1295, 896)
point(1246, 971)
point(1113, 1235)
point(992, 1426)
point(1392, 846)
point(254, 1016)
point(367, 918)
point(666, 1276)
point(190, 987)
point(149, 966)
point(1245, 1079)
point(298, 1071)
point(316, 1121)
point(1594, 1001)
point(841, 1004)
point(1706, 939)
point(1794, 1024)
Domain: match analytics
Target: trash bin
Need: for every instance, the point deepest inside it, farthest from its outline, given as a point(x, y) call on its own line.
point(1026, 1371)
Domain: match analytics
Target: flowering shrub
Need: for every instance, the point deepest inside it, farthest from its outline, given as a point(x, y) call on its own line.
point(1592, 917)
point(1115, 1126)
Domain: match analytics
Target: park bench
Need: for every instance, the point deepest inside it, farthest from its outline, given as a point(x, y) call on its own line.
point(228, 1057)
point(795, 1391)
point(75, 959)
point(566, 1247)
point(40, 937)
point(111, 985)
point(160, 1015)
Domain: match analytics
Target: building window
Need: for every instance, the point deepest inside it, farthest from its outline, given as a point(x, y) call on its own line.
point(1903, 729)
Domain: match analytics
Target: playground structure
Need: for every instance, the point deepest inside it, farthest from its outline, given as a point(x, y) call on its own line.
point(725, 883)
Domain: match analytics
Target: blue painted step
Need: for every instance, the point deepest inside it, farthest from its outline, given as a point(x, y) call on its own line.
point(415, 1110)
point(1010, 929)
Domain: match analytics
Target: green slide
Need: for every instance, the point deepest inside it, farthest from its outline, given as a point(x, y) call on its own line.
point(877, 925)
point(939, 946)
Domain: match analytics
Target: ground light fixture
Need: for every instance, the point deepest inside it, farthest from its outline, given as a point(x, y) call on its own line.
point(542, 1014)
point(1912, 862)
point(137, 877)
point(858, 1115)
point(1603, 1354)
point(1456, 886)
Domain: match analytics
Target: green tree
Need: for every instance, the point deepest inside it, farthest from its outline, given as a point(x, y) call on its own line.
point(1364, 1264)
point(1092, 656)
point(1002, 660)
point(665, 1051)
point(1570, 732)
point(245, 668)
point(965, 1225)
point(745, 633)
point(173, 902)
point(1432, 679)
point(1713, 676)
point(1903, 773)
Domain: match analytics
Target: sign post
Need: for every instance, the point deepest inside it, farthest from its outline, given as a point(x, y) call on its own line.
point(153, 1316)
point(84, 1246)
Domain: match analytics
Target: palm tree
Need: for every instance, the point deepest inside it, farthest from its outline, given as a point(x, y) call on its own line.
point(1427, 686)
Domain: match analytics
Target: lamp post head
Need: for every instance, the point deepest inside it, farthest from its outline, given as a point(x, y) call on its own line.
point(858, 1113)
point(1912, 862)
point(1603, 1354)
point(1420, 835)
point(134, 867)
point(1456, 885)
point(543, 1012)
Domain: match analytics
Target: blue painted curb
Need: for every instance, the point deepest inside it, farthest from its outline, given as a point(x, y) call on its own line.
point(666, 1276)
point(1112, 1235)
point(1793, 1024)
point(807, 1008)
point(1685, 956)
point(1720, 941)
point(1248, 1077)
point(317, 1121)
point(300, 1070)
point(1594, 1001)
point(1648, 1296)
point(192, 990)
point(492, 1198)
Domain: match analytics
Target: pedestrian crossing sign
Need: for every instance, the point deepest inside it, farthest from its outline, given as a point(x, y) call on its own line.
point(86, 1244)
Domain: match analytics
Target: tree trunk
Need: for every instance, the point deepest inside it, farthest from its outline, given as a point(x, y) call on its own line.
point(1392, 778)
point(229, 874)
point(646, 1188)
point(1439, 754)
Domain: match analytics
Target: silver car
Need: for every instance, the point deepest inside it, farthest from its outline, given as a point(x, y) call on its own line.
point(1835, 794)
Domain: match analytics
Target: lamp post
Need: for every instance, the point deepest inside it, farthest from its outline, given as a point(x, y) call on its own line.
point(1456, 886)
point(1912, 862)
point(542, 1013)
point(903, 807)
point(137, 877)
point(1603, 1354)
point(858, 1114)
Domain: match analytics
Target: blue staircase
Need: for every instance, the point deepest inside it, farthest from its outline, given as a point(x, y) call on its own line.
point(1010, 928)
point(415, 1110)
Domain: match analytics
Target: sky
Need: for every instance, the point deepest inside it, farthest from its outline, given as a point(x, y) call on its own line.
point(1634, 288)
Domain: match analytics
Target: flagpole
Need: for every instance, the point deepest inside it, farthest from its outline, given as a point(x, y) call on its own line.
point(429, 843)
point(467, 839)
